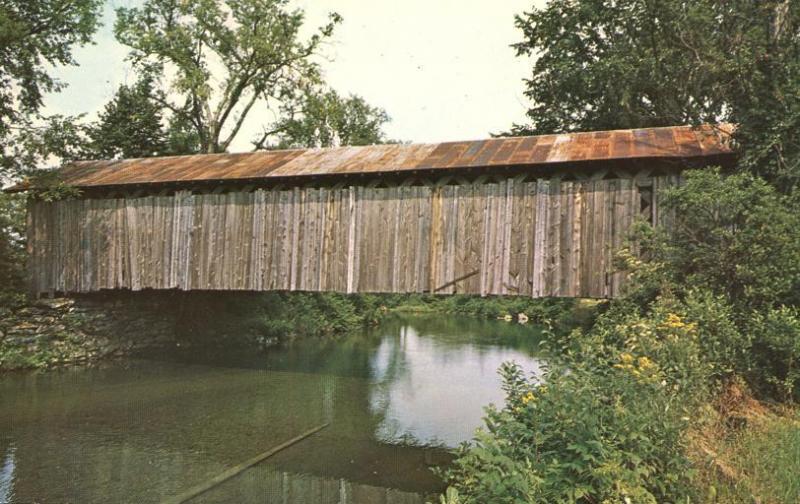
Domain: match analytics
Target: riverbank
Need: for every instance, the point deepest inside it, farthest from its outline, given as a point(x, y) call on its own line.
point(61, 332)
point(90, 328)
point(87, 329)
point(746, 451)
point(563, 314)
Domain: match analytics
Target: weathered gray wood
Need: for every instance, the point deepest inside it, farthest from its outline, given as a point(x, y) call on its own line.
point(513, 237)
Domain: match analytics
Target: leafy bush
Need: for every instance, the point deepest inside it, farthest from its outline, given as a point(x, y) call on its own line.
point(582, 437)
point(734, 235)
point(777, 351)
point(607, 424)
point(725, 347)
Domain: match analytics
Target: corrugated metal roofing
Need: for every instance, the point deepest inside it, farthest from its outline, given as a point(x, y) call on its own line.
point(669, 142)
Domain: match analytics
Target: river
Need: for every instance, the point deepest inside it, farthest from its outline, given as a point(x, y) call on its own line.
point(395, 397)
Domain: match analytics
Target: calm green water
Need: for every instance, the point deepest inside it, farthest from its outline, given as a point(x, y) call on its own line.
point(396, 397)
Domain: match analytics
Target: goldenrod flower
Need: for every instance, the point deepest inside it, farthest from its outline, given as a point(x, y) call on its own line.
point(528, 398)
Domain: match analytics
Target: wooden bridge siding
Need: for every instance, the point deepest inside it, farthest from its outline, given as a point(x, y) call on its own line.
point(538, 238)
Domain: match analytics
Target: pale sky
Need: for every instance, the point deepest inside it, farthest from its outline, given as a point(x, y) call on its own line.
point(442, 69)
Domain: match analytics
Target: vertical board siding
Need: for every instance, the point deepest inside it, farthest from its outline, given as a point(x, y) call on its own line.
point(539, 238)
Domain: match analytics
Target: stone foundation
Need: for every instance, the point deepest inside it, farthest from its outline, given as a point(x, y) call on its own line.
point(62, 331)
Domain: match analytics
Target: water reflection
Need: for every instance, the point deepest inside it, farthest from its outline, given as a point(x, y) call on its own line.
point(143, 430)
point(431, 390)
point(7, 474)
point(265, 483)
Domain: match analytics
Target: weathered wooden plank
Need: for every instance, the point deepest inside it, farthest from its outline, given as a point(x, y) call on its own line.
point(511, 237)
point(540, 238)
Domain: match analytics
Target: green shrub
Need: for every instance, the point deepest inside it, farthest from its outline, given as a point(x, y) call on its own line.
point(607, 424)
point(734, 235)
point(777, 351)
point(585, 436)
point(725, 347)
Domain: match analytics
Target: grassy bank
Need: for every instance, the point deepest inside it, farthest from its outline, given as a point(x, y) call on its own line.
point(746, 451)
point(564, 314)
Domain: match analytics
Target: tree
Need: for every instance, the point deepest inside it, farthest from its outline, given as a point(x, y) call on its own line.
point(249, 50)
point(328, 120)
point(734, 235)
point(130, 125)
point(12, 250)
point(616, 64)
point(605, 64)
point(34, 36)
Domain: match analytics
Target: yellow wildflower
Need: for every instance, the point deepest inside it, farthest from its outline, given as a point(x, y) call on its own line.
point(528, 398)
point(673, 322)
point(644, 363)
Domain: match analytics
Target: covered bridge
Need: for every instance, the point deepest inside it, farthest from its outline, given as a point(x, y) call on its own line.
point(531, 216)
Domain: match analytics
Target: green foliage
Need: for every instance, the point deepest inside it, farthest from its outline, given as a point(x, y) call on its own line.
point(734, 235)
point(583, 437)
point(223, 58)
point(34, 36)
point(604, 64)
point(130, 125)
point(622, 64)
point(733, 257)
point(727, 349)
point(759, 62)
point(607, 422)
point(38, 143)
point(12, 251)
point(329, 120)
point(776, 351)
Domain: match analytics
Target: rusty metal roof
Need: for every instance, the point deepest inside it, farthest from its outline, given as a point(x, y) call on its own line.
point(668, 142)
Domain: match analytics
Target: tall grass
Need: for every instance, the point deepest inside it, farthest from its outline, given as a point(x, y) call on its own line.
point(765, 463)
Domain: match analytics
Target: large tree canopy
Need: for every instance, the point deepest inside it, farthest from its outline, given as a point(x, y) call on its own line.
point(328, 120)
point(36, 34)
point(605, 64)
point(221, 58)
point(132, 124)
